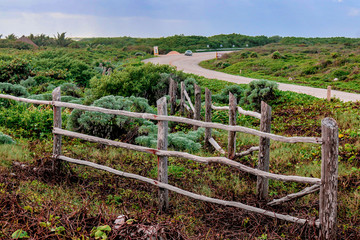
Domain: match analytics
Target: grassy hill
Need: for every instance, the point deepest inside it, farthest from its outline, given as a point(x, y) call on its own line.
point(314, 64)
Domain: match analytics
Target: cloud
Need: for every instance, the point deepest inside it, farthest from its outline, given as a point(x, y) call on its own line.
point(86, 25)
point(354, 12)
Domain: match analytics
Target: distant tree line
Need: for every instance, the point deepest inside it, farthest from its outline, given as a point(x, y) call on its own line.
point(60, 40)
point(179, 43)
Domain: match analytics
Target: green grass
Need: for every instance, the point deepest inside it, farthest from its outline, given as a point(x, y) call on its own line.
point(315, 66)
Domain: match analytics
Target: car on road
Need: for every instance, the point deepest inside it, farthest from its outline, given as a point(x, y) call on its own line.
point(188, 53)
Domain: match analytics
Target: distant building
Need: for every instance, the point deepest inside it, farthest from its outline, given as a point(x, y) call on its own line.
point(28, 41)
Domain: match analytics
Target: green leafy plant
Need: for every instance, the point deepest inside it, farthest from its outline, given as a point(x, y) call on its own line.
point(100, 232)
point(19, 234)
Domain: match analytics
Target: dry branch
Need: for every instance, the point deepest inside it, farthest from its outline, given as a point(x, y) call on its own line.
point(216, 146)
point(189, 100)
point(247, 152)
point(189, 194)
point(292, 196)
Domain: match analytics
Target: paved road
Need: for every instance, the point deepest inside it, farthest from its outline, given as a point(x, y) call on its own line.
point(190, 65)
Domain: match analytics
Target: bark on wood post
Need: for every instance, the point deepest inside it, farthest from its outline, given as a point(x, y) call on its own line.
point(56, 96)
point(197, 103)
point(182, 99)
point(162, 144)
point(329, 179)
point(264, 151)
point(207, 118)
point(172, 93)
point(232, 121)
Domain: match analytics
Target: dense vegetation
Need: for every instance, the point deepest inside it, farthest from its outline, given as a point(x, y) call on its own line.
point(144, 45)
point(312, 62)
point(82, 203)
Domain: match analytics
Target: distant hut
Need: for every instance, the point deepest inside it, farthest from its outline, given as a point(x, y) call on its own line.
point(28, 41)
point(173, 53)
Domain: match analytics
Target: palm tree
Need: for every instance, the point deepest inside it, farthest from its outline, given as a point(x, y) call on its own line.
point(61, 40)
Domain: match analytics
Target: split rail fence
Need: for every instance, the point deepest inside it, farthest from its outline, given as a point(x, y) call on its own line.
point(329, 141)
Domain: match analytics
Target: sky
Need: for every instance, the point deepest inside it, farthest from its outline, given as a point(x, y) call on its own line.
point(161, 18)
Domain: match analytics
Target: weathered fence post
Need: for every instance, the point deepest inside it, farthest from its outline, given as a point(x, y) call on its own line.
point(232, 121)
point(264, 151)
point(172, 93)
point(207, 117)
point(197, 103)
point(329, 178)
point(56, 96)
point(182, 99)
point(329, 93)
point(162, 144)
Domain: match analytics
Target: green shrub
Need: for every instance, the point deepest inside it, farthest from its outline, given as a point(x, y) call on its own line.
point(63, 67)
point(13, 89)
point(27, 121)
point(107, 125)
point(223, 96)
point(260, 90)
point(310, 70)
point(335, 55)
point(141, 81)
point(43, 96)
point(29, 82)
point(70, 89)
point(340, 74)
point(179, 140)
point(253, 55)
point(14, 71)
point(276, 55)
point(5, 139)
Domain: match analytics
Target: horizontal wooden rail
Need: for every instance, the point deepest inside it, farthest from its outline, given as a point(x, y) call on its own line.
point(189, 194)
point(205, 160)
point(239, 109)
point(19, 99)
point(191, 122)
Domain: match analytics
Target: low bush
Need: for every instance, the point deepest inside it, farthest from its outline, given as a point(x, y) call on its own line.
point(5, 139)
point(14, 71)
point(28, 121)
point(141, 81)
point(107, 125)
point(13, 89)
point(260, 90)
point(178, 140)
point(29, 82)
point(223, 96)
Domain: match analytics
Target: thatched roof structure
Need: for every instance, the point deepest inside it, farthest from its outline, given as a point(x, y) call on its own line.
point(26, 40)
point(173, 53)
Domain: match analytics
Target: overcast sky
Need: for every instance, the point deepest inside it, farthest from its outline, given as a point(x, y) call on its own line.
point(158, 18)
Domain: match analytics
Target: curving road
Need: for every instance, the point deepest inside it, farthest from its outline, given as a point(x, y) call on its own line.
point(190, 65)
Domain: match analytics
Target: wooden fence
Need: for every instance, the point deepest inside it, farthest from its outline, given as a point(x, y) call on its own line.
point(327, 184)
